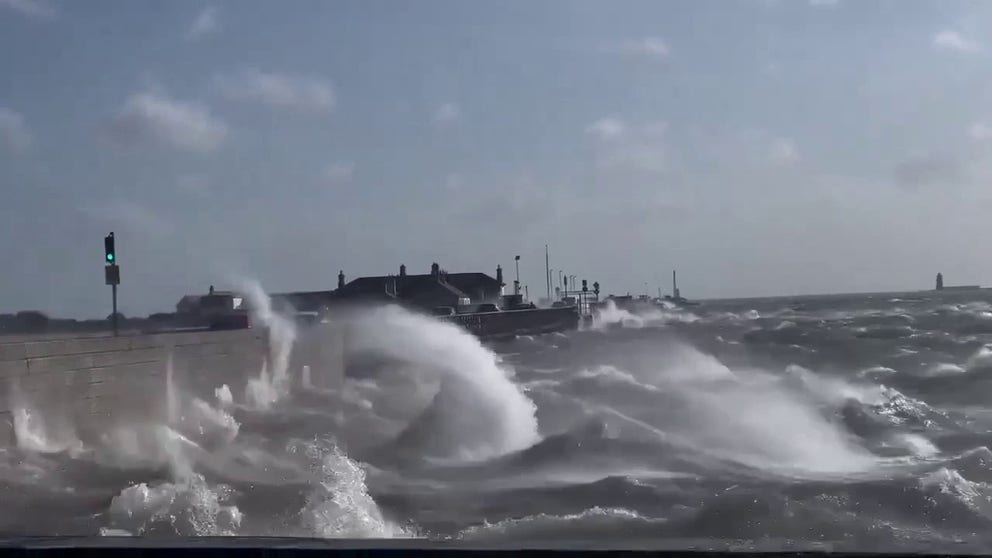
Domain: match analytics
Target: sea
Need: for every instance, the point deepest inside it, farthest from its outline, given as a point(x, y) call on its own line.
point(847, 422)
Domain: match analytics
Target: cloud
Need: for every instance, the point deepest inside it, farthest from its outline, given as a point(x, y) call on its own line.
point(980, 131)
point(782, 151)
point(647, 47)
point(756, 147)
point(154, 118)
point(14, 134)
point(609, 128)
point(928, 171)
point(448, 112)
point(626, 147)
point(38, 9)
point(952, 40)
point(339, 172)
point(310, 94)
point(204, 24)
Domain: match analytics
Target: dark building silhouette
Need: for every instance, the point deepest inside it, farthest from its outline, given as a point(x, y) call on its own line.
point(940, 281)
point(427, 291)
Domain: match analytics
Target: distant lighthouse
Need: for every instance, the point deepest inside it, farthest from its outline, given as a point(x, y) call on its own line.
point(940, 281)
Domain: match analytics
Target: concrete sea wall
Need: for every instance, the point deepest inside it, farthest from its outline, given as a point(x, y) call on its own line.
point(90, 384)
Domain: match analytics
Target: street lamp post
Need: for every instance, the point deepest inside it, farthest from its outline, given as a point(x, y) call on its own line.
point(516, 284)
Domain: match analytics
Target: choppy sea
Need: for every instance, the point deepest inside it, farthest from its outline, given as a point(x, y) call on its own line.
point(837, 422)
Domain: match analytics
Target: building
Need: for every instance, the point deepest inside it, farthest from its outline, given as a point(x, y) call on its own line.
point(211, 303)
point(425, 291)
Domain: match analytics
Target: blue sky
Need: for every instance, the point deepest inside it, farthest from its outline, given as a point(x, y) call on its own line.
point(762, 147)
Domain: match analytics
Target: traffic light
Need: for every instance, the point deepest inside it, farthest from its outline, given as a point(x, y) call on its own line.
point(109, 254)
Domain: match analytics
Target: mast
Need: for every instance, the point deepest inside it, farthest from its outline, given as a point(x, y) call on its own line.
point(675, 286)
point(547, 269)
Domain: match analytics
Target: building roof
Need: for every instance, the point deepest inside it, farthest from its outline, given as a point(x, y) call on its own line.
point(470, 281)
point(405, 285)
point(459, 284)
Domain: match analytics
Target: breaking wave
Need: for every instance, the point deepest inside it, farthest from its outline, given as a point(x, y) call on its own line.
point(478, 411)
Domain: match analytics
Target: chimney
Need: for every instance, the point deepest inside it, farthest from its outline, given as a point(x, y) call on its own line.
point(211, 289)
point(435, 270)
point(402, 270)
point(499, 275)
point(341, 279)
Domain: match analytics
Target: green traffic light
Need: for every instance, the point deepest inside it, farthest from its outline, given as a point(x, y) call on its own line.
point(110, 257)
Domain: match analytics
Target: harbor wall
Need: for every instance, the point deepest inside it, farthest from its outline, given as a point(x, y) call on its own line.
point(90, 384)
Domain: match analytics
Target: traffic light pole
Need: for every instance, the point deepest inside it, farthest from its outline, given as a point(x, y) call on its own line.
point(113, 317)
point(111, 274)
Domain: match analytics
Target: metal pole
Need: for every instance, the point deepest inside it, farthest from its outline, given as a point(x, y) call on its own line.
point(113, 317)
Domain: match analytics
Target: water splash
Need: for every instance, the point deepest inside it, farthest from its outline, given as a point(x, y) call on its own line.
point(305, 380)
point(610, 315)
point(266, 390)
point(224, 397)
point(39, 433)
point(173, 410)
point(339, 505)
point(185, 508)
point(261, 393)
point(478, 412)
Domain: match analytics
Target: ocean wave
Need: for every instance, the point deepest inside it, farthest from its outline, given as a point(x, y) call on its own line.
point(595, 523)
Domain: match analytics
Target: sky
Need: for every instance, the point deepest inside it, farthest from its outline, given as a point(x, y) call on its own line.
point(762, 147)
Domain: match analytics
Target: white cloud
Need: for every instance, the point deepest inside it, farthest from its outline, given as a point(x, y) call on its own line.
point(39, 9)
point(448, 112)
point(952, 40)
point(609, 128)
point(626, 147)
point(279, 91)
point(980, 131)
point(339, 172)
point(648, 47)
point(782, 151)
point(155, 118)
point(14, 134)
point(204, 24)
